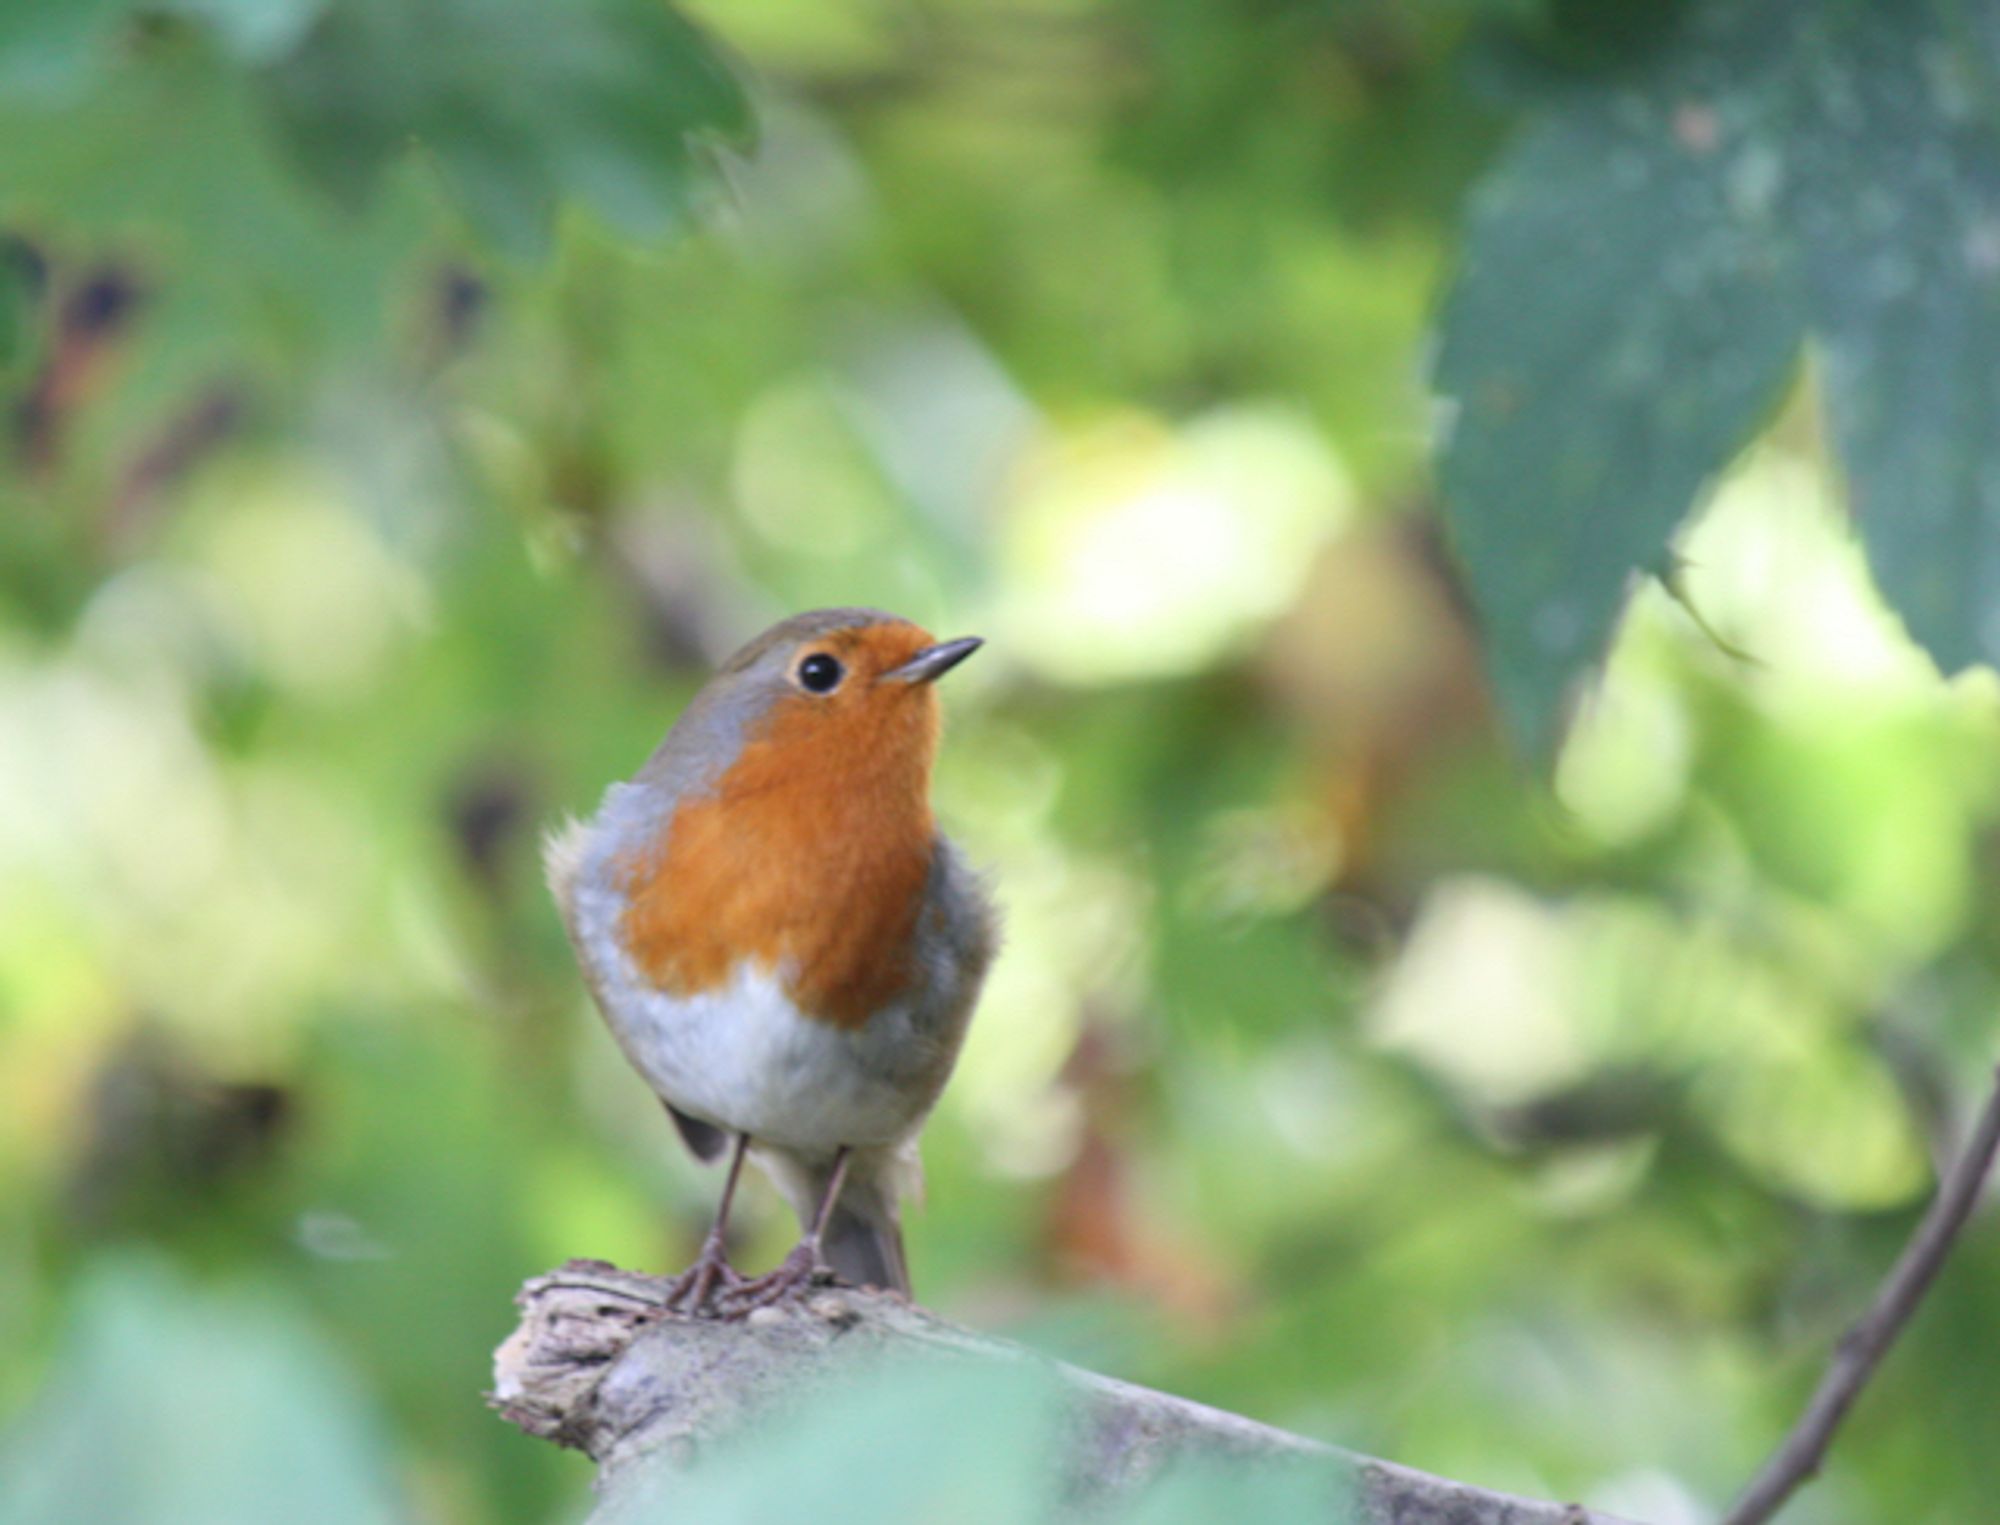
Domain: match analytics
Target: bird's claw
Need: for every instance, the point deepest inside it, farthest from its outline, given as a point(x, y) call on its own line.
point(703, 1287)
point(799, 1273)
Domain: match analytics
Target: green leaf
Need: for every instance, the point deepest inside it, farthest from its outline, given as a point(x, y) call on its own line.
point(938, 1439)
point(1638, 271)
point(47, 51)
point(518, 103)
point(20, 282)
point(1620, 325)
point(894, 1443)
point(167, 1404)
point(169, 167)
point(53, 51)
point(1897, 219)
point(256, 31)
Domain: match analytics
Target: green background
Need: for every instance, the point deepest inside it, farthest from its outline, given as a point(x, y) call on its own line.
point(408, 403)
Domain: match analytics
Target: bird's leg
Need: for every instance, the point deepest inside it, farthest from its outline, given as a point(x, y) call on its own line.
point(800, 1269)
point(690, 1293)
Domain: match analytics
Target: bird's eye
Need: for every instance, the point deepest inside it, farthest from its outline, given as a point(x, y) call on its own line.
point(820, 673)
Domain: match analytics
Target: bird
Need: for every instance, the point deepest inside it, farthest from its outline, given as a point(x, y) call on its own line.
point(783, 943)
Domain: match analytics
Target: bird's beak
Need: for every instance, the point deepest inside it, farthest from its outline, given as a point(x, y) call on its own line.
point(933, 662)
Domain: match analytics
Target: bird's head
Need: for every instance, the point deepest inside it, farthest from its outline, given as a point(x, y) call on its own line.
point(841, 692)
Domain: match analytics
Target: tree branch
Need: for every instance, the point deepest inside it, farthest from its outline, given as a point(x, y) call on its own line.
point(1861, 1350)
point(593, 1367)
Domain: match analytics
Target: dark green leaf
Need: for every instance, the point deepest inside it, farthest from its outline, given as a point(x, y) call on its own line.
point(1637, 273)
point(170, 169)
point(1897, 215)
point(1620, 326)
point(518, 105)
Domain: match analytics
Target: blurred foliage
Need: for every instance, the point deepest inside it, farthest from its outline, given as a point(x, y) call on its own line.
point(409, 402)
point(869, 1449)
point(181, 1406)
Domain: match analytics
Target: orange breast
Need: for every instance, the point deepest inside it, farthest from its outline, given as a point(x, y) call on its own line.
point(809, 856)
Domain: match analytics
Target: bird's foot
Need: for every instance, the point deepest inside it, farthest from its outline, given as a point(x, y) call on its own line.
point(797, 1274)
point(704, 1286)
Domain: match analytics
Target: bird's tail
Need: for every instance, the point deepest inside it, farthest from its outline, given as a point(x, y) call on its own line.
point(864, 1238)
point(864, 1235)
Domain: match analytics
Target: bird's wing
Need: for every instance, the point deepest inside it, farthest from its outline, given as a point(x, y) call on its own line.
point(705, 1141)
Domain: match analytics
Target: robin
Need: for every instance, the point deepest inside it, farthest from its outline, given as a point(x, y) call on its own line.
point(782, 941)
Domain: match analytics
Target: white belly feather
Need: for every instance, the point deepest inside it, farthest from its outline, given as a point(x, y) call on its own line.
point(743, 1057)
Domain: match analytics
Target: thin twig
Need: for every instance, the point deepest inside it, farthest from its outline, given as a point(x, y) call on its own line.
point(1862, 1348)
